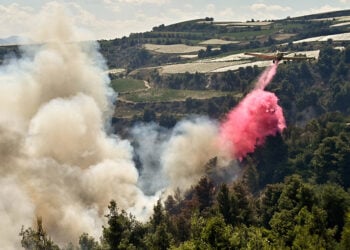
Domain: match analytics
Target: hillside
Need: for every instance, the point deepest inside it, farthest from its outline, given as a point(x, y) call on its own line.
point(176, 86)
point(204, 55)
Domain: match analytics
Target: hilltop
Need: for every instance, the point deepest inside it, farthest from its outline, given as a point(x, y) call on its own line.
point(202, 61)
point(197, 66)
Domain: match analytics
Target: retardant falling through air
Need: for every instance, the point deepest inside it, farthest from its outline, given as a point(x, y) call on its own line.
point(257, 116)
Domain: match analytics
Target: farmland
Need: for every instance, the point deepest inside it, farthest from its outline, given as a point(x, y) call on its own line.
point(127, 85)
point(161, 95)
point(173, 48)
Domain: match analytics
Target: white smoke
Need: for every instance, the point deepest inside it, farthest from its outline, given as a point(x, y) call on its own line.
point(172, 159)
point(57, 161)
point(192, 144)
point(149, 141)
point(16, 209)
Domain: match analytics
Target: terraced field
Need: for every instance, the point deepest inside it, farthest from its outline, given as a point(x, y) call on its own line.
point(173, 48)
point(127, 85)
point(337, 37)
point(160, 95)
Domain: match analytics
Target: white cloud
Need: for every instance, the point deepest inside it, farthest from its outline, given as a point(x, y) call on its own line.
point(115, 18)
point(210, 7)
point(270, 8)
point(158, 2)
point(324, 8)
point(265, 11)
point(226, 14)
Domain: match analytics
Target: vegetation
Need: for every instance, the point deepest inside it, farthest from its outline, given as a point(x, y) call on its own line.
point(127, 85)
point(162, 94)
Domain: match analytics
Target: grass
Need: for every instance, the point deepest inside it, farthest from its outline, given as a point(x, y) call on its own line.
point(161, 95)
point(127, 85)
point(248, 35)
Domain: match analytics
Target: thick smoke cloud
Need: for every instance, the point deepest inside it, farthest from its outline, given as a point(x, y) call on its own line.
point(192, 144)
point(177, 158)
point(58, 162)
point(56, 159)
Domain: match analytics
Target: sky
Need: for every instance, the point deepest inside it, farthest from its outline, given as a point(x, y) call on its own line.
point(108, 19)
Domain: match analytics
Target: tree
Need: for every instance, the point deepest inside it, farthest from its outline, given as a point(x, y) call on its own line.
point(37, 239)
point(158, 215)
point(158, 236)
point(123, 231)
point(204, 193)
point(242, 207)
point(216, 233)
point(271, 160)
point(87, 242)
point(336, 202)
point(149, 115)
point(332, 158)
point(345, 236)
point(167, 121)
point(347, 54)
point(224, 204)
point(269, 202)
point(295, 196)
point(311, 230)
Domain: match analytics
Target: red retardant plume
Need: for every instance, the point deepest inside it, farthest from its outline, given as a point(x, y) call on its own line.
point(258, 115)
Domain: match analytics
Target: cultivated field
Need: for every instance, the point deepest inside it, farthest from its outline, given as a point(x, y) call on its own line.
point(339, 19)
point(217, 42)
point(127, 85)
point(233, 57)
point(340, 24)
point(337, 37)
point(245, 24)
point(160, 95)
point(226, 63)
point(244, 65)
point(173, 48)
point(200, 67)
point(116, 71)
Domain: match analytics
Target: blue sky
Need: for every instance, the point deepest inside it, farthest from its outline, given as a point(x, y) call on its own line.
point(116, 18)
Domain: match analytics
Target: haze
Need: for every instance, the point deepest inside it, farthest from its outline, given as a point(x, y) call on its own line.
point(107, 19)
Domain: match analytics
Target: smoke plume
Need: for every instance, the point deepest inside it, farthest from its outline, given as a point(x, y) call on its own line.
point(177, 158)
point(58, 162)
point(192, 144)
point(258, 115)
point(56, 159)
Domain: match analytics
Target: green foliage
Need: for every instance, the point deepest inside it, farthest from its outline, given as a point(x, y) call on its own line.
point(336, 202)
point(37, 239)
point(345, 236)
point(163, 95)
point(215, 233)
point(87, 242)
point(123, 231)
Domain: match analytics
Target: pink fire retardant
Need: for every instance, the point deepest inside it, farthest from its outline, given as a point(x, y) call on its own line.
point(258, 115)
